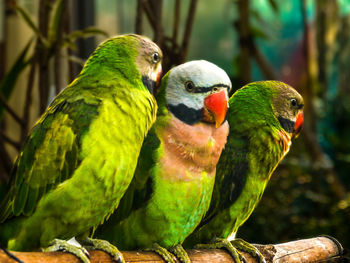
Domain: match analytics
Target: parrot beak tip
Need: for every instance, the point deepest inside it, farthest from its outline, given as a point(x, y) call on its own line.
point(216, 107)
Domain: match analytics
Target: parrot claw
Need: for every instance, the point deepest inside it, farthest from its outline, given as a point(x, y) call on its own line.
point(63, 245)
point(164, 253)
point(220, 243)
point(248, 248)
point(99, 244)
point(233, 246)
point(180, 253)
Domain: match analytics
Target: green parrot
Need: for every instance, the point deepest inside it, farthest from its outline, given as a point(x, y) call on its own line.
point(80, 156)
point(264, 117)
point(175, 175)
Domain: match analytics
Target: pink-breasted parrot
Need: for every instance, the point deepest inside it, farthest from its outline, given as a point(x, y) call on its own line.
point(174, 179)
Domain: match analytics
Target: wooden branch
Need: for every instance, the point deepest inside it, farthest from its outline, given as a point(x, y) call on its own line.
point(67, 30)
point(138, 18)
point(29, 98)
point(244, 34)
point(188, 30)
point(306, 250)
point(157, 7)
point(323, 248)
point(309, 91)
point(176, 20)
point(149, 14)
point(45, 7)
point(58, 49)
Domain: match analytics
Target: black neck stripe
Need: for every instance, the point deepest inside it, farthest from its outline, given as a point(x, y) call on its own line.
point(186, 114)
point(207, 89)
point(150, 84)
point(286, 124)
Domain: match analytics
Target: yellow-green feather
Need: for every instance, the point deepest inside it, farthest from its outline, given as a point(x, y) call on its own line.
point(80, 157)
point(159, 206)
point(254, 149)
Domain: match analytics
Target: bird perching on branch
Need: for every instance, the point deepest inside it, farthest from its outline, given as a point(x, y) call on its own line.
point(174, 179)
point(79, 158)
point(264, 117)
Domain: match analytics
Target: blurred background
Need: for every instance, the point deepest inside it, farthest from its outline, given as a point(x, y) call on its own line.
point(305, 43)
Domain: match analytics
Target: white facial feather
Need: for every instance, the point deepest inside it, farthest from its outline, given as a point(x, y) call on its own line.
point(202, 73)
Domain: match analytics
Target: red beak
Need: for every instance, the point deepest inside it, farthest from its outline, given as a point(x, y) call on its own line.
point(159, 75)
point(216, 107)
point(298, 125)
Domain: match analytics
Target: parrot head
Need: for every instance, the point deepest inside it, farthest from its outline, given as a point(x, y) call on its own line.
point(267, 102)
point(133, 56)
point(197, 91)
point(149, 62)
point(288, 106)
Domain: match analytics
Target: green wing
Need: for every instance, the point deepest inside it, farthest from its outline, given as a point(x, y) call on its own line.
point(50, 155)
point(230, 176)
point(254, 155)
point(142, 181)
point(140, 188)
point(243, 170)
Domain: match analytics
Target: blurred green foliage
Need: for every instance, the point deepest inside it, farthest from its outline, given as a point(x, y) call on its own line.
point(300, 201)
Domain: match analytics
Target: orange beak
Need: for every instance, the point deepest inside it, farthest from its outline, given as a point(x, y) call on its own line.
point(215, 107)
point(298, 125)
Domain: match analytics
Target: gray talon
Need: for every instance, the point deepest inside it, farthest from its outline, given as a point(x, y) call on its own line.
point(164, 253)
point(99, 244)
point(63, 245)
point(219, 243)
point(248, 248)
point(180, 253)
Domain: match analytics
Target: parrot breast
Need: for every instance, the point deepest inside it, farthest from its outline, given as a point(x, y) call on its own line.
point(191, 149)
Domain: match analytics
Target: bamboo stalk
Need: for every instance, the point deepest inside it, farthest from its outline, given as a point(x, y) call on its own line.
point(45, 7)
point(306, 250)
point(243, 26)
point(138, 17)
point(176, 20)
point(188, 30)
point(58, 49)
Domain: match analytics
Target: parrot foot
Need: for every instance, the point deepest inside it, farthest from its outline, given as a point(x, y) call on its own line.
point(220, 243)
point(75, 249)
point(164, 253)
point(99, 244)
point(233, 246)
point(180, 253)
point(248, 248)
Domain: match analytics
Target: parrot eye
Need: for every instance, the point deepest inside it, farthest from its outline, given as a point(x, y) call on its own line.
point(155, 57)
point(293, 102)
point(189, 86)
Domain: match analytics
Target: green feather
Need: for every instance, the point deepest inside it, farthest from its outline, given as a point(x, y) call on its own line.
point(254, 148)
point(20, 199)
point(31, 201)
point(163, 206)
point(80, 157)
